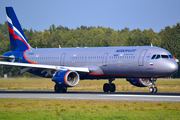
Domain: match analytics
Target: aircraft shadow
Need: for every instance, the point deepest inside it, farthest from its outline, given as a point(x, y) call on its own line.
point(86, 92)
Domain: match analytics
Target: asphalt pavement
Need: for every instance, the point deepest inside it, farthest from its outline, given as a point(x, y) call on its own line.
point(85, 95)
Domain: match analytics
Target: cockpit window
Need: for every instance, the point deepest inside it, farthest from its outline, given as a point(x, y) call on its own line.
point(153, 56)
point(164, 56)
point(170, 56)
point(158, 56)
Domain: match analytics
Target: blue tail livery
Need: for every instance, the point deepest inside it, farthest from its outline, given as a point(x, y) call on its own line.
point(17, 38)
point(141, 66)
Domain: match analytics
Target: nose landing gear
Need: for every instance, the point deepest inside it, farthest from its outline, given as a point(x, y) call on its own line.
point(153, 89)
point(109, 87)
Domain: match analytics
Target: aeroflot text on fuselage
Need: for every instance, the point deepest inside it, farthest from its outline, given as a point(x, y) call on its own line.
point(126, 50)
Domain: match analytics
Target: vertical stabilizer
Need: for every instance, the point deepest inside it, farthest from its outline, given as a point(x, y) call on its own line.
point(18, 40)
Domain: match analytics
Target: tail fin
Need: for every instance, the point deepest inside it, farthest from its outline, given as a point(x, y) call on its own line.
point(17, 38)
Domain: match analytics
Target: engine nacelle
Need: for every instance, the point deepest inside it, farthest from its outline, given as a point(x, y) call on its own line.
point(66, 78)
point(139, 82)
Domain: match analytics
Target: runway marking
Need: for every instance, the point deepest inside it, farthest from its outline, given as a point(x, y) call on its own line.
point(141, 96)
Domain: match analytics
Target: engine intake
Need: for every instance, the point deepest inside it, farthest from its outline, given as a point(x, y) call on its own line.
point(66, 78)
point(139, 82)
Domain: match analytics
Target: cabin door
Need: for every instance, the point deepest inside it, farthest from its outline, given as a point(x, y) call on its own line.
point(141, 57)
point(62, 59)
point(104, 60)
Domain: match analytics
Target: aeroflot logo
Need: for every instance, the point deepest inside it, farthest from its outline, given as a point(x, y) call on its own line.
point(126, 50)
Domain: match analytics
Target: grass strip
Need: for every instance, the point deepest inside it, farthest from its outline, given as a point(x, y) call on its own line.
point(164, 85)
point(53, 109)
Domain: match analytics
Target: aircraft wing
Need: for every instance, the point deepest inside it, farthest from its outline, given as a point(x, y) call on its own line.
point(27, 66)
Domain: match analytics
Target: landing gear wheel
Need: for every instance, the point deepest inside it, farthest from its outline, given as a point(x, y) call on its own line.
point(106, 87)
point(151, 90)
point(109, 87)
point(57, 88)
point(155, 89)
point(113, 87)
point(64, 89)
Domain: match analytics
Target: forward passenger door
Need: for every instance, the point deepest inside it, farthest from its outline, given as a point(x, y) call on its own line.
point(141, 57)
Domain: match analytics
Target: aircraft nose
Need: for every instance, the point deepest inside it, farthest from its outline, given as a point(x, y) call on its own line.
point(172, 67)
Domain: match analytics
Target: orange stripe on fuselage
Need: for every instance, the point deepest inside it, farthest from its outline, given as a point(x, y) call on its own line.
point(96, 73)
point(123, 75)
point(27, 59)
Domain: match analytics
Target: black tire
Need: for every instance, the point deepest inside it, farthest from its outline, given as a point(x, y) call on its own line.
point(113, 87)
point(155, 89)
point(57, 88)
point(106, 87)
point(151, 90)
point(64, 89)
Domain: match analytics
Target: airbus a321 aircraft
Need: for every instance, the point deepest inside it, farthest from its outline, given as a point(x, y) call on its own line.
point(141, 66)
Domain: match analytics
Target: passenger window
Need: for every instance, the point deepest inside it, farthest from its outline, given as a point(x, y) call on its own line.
point(158, 56)
point(164, 56)
point(153, 56)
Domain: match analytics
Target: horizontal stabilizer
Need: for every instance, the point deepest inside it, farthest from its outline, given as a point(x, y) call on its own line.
point(8, 57)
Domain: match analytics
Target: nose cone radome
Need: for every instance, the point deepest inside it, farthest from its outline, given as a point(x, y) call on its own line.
point(172, 67)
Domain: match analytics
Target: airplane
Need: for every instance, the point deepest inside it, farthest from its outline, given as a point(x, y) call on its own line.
point(140, 65)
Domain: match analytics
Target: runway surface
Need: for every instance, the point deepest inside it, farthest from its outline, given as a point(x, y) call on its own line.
point(82, 95)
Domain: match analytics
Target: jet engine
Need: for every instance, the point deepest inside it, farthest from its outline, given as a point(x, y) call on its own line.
point(66, 78)
point(139, 82)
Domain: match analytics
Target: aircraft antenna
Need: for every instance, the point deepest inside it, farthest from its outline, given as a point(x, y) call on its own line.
point(59, 46)
point(151, 45)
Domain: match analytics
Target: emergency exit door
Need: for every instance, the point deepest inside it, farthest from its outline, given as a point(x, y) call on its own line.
point(62, 59)
point(104, 60)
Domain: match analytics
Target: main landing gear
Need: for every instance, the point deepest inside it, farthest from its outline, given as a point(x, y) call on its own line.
point(153, 89)
point(109, 87)
point(59, 89)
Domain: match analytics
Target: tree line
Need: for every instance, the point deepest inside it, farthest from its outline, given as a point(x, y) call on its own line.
point(83, 36)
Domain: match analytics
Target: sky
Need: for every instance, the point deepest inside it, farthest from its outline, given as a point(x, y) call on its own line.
point(115, 14)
